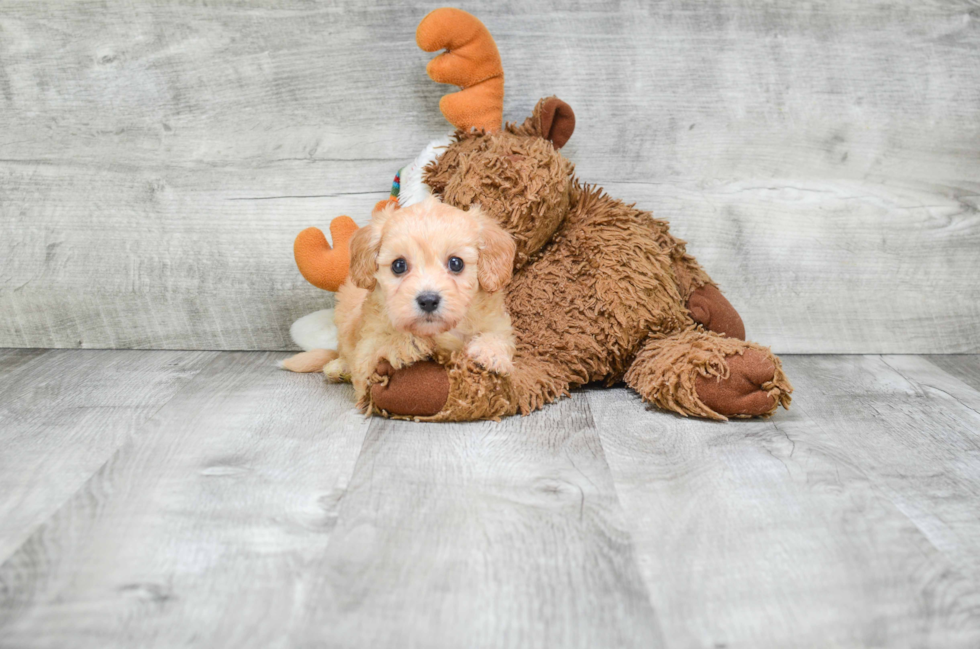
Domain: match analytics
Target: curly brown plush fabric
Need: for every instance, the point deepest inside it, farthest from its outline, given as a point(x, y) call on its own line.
point(600, 291)
point(701, 355)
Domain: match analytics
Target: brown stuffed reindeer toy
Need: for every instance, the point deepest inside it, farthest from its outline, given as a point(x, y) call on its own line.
point(601, 291)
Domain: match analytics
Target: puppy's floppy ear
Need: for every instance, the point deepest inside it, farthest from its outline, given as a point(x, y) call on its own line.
point(364, 248)
point(497, 250)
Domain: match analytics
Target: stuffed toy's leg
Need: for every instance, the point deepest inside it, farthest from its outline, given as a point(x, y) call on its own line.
point(708, 307)
point(703, 374)
point(457, 389)
point(694, 373)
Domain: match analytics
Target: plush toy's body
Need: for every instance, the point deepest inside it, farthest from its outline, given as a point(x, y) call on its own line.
point(601, 292)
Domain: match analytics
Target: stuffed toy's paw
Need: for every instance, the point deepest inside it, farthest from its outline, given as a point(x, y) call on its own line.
point(714, 312)
point(752, 388)
point(419, 390)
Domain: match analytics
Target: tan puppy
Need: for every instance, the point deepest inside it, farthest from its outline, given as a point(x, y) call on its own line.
point(423, 278)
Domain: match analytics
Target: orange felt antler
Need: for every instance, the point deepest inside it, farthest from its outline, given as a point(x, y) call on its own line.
point(321, 265)
point(471, 62)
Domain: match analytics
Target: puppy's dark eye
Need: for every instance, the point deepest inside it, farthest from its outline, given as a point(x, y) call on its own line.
point(455, 264)
point(399, 266)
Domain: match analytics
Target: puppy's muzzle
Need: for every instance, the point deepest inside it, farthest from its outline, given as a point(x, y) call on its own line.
point(428, 301)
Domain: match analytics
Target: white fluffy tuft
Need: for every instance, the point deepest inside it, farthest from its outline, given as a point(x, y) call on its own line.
point(315, 331)
point(413, 190)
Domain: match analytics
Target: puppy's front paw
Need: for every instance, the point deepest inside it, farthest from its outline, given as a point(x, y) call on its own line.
point(492, 354)
point(412, 351)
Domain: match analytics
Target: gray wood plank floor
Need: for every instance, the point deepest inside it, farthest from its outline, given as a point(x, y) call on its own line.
point(161, 499)
point(64, 413)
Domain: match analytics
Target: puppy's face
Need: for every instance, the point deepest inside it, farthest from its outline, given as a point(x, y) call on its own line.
point(430, 260)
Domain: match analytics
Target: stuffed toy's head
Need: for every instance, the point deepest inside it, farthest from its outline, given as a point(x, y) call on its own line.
point(515, 174)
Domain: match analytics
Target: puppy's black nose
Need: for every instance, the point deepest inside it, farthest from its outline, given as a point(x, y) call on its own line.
point(428, 301)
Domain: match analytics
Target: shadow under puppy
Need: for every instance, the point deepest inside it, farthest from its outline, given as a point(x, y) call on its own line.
point(423, 280)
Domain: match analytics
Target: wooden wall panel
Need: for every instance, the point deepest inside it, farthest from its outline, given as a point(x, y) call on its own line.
point(157, 158)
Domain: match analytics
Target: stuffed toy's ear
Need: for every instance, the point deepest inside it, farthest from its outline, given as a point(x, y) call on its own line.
point(471, 61)
point(497, 250)
point(556, 120)
point(321, 265)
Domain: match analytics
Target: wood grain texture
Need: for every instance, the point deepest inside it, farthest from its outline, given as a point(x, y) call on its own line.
point(481, 535)
point(931, 470)
point(851, 520)
point(64, 413)
point(199, 530)
point(257, 508)
point(157, 159)
point(965, 367)
point(229, 521)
